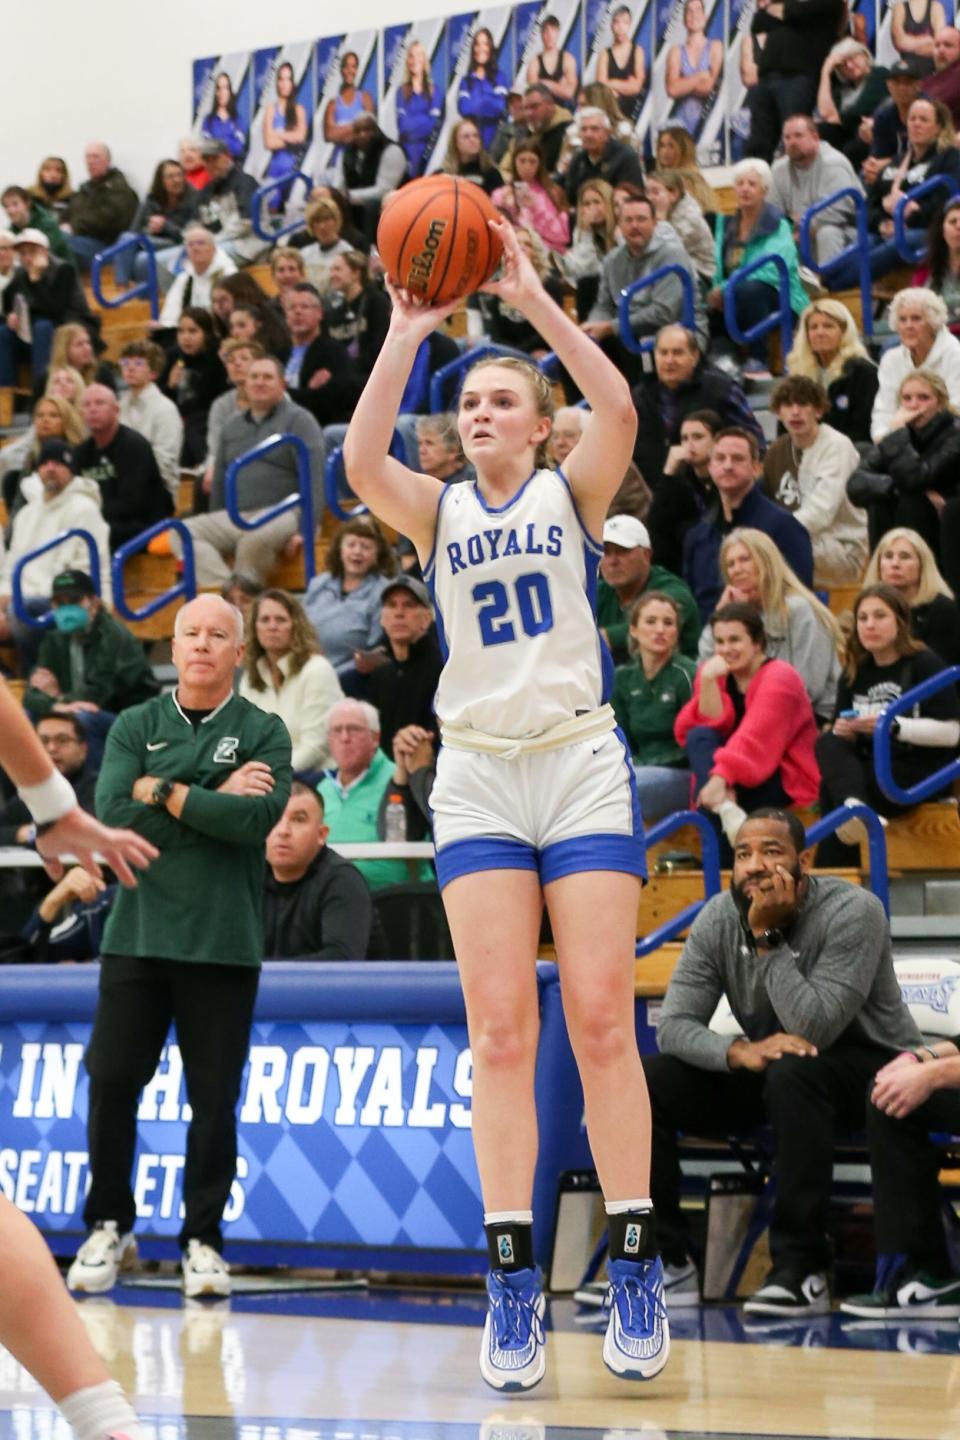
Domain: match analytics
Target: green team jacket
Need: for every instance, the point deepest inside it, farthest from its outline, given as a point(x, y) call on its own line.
point(117, 673)
point(201, 900)
point(615, 621)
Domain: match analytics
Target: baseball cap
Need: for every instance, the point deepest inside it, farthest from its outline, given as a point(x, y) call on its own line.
point(209, 146)
point(30, 236)
point(626, 531)
point(416, 588)
point(57, 450)
point(72, 582)
point(905, 69)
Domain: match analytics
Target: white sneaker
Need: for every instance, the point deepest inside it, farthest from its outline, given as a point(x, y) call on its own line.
point(205, 1272)
point(853, 831)
point(784, 1294)
point(681, 1286)
point(101, 1257)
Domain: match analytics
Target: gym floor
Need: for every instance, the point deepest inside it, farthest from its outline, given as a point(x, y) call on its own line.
point(392, 1364)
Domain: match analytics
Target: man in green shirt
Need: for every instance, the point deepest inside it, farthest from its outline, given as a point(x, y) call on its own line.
point(205, 776)
point(626, 571)
point(87, 661)
point(353, 791)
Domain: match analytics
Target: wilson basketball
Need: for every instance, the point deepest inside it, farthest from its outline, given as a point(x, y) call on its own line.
point(434, 239)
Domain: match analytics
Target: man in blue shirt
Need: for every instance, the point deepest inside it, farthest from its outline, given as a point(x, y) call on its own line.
point(734, 469)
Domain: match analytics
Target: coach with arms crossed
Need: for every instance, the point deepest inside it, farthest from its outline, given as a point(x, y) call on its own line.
point(806, 966)
point(204, 775)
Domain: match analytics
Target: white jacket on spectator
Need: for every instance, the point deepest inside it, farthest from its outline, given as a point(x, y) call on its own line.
point(157, 419)
point(189, 288)
point(896, 365)
point(76, 507)
point(817, 496)
point(302, 702)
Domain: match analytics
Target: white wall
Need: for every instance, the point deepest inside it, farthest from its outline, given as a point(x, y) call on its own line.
point(119, 70)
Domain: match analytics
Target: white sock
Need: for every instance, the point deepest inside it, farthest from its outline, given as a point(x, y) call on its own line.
point(627, 1207)
point(508, 1217)
point(98, 1411)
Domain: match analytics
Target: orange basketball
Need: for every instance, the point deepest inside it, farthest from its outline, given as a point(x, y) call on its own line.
point(434, 239)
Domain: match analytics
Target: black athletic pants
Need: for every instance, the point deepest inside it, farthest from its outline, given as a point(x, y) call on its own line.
point(906, 1184)
point(802, 1098)
point(212, 1008)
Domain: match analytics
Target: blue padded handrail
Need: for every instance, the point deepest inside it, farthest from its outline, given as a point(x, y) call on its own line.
point(335, 469)
point(145, 288)
point(688, 319)
point(876, 844)
point(302, 498)
point(186, 586)
point(933, 784)
point(265, 191)
point(41, 622)
point(439, 378)
point(782, 317)
point(936, 182)
point(710, 850)
point(859, 250)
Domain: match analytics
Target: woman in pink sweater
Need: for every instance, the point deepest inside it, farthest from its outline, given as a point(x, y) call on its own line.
point(530, 199)
point(749, 729)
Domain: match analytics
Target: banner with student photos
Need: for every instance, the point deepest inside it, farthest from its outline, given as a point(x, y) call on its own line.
point(685, 63)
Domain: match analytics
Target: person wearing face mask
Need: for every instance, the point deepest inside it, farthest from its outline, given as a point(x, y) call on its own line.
point(806, 966)
point(66, 501)
point(88, 662)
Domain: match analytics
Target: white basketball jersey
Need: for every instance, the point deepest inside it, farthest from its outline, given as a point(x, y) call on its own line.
point(515, 594)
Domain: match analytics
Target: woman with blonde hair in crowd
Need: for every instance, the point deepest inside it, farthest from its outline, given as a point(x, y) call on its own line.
point(799, 628)
point(677, 150)
point(919, 317)
point(68, 384)
point(72, 346)
point(53, 419)
point(910, 476)
point(325, 224)
point(467, 158)
point(828, 348)
point(904, 560)
point(594, 236)
point(672, 203)
point(285, 674)
point(52, 186)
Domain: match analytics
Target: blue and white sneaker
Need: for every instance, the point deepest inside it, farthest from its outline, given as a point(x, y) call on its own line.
point(513, 1355)
point(637, 1342)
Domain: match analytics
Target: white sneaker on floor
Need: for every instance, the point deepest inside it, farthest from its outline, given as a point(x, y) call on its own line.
point(101, 1257)
point(205, 1272)
point(854, 832)
point(785, 1294)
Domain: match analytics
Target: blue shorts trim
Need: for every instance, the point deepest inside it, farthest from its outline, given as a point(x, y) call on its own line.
point(624, 853)
point(466, 857)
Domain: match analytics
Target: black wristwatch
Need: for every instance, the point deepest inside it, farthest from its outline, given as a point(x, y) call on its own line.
point(162, 791)
point(772, 939)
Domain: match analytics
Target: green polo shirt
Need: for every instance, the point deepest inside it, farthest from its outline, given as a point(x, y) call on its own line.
point(614, 620)
point(646, 709)
point(200, 901)
point(352, 817)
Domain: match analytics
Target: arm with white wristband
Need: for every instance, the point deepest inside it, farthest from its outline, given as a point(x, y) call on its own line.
point(62, 827)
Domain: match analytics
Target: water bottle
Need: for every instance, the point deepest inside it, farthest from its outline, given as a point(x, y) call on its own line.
point(395, 819)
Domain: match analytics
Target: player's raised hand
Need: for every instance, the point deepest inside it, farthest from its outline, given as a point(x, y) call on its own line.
point(413, 318)
point(518, 280)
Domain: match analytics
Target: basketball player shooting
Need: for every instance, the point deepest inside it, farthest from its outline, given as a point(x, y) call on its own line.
point(534, 800)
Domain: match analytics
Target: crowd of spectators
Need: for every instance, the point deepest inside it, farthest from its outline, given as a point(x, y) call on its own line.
point(735, 688)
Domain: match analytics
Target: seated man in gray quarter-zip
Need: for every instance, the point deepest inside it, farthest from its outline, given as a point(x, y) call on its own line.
point(806, 966)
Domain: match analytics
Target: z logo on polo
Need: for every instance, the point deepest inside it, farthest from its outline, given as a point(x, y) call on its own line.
point(226, 751)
